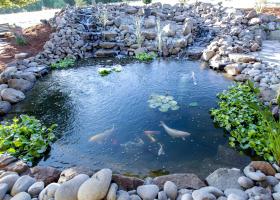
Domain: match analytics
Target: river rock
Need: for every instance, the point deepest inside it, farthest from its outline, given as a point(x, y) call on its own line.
point(70, 173)
point(10, 163)
point(276, 196)
point(170, 189)
point(259, 193)
point(69, 189)
point(245, 182)
point(5, 107)
point(148, 192)
point(238, 194)
point(224, 178)
point(169, 30)
point(181, 181)
point(162, 195)
point(12, 95)
point(96, 187)
point(123, 195)
point(46, 174)
point(150, 22)
point(126, 182)
point(207, 55)
point(9, 180)
point(135, 197)
point(20, 84)
point(3, 190)
point(112, 193)
point(21, 196)
point(274, 35)
point(187, 196)
point(242, 58)
point(49, 192)
point(35, 189)
point(264, 167)
point(22, 184)
point(254, 175)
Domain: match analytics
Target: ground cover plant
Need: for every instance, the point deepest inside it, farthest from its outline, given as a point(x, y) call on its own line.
point(250, 123)
point(26, 138)
point(145, 57)
point(62, 64)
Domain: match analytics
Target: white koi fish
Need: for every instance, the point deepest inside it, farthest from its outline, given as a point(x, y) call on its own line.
point(194, 79)
point(161, 150)
point(173, 132)
point(100, 137)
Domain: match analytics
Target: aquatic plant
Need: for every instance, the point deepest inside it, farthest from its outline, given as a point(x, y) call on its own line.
point(103, 71)
point(163, 103)
point(145, 57)
point(26, 138)
point(138, 34)
point(240, 112)
point(64, 63)
point(159, 36)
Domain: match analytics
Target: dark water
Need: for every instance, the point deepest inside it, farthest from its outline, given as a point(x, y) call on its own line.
point(84, 104)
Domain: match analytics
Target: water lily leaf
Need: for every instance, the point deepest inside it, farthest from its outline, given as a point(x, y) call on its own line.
point(153, 106)
point(175, 108)
point(118, 68)
point(193, 104)
point(172, 103)
point(163, 109)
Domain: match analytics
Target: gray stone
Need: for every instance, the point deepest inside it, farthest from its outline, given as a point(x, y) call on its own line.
point(181, 180)
point(150, 22)
point(22, 184)
point(224, 178)
point(240, 194)
point(254, 175)
point(109, 35)
point(21, 55)
point(112, 193)
point(7, 197)
point(105, 53)
point(20, 84)
point(162, 195)
point(69, 189)
point(96, 187)
point(170, 189)
point(187, 196)
point(122, 195)
point(169, 30)
point(233, 69)
point(5, 107)
point(107, 45)
point(12, 95)
point(276, 196)
point(274, 35)
point(245, 182)
point(135, 197)
point(207, 55)
point(7, 73)
point(243, 58)
point(148, 192)
point(35, 189)
point(9, 180)
point(21, 196)
point(3, 190)
point(49, 192)
point(259, 193)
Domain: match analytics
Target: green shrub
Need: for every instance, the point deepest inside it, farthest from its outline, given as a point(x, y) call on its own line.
point(147, 1)
point(26, 138)
point(65, 63)
point(20, 40)
point(144, 57)
point(239, 113)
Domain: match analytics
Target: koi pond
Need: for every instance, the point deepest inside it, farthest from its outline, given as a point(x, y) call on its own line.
point(144, 118)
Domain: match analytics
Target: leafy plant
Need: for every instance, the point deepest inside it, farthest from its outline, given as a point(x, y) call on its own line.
point(80, 3)
point(26, 138)
point(21, 40)
point(13, 3)
point(237, 113)
point(147, 1)
point(144, 57)
point(65, 63)
point(104, 71)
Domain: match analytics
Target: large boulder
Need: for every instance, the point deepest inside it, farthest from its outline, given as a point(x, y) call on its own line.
point(12, 95)
point(69, 189)
point(224, 178)
point(96, 187)
point(181, 180)
point(20, 84)
point(9, 180)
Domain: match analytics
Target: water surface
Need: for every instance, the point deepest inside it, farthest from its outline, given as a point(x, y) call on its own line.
point(84, 104)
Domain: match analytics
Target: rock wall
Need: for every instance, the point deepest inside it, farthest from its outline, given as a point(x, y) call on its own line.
point(222, 37)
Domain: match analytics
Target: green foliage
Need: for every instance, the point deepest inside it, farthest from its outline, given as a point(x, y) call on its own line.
point(80, 3)
point(147, 1)
point(240, 114)
point(20, 40)
point(26, 138)
point(15, 3)
point(62, 64)
point(145, 57)
point(104, 71)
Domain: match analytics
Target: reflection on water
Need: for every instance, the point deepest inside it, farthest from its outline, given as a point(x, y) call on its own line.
point(108, 121)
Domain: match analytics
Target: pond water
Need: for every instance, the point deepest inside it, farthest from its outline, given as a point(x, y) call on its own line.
point(85, 104)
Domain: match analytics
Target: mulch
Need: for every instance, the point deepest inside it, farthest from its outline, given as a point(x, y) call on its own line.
point(36, 37)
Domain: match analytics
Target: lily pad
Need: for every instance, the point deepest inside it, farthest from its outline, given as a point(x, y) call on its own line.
point(163, 109)
point(172, 103)
point(117, 68)
point(104, 71)
point(193, 104)
point(175, 108)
